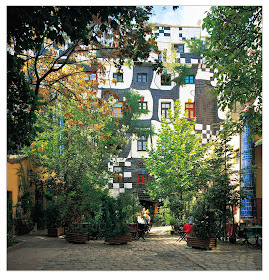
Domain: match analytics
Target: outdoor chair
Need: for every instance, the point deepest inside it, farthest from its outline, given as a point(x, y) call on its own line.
point(243, 234)
point(187, 230)
point(133, 230)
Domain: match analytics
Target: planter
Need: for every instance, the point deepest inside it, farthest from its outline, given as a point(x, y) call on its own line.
point(55, 232)
point(202, 243)
point(77, 237)
point(119, 239)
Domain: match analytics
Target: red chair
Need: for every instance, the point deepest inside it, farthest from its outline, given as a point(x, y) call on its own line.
point(134, 230)
point(187, 230)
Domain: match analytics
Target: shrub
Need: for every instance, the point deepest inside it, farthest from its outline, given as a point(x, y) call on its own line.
point(204, 219)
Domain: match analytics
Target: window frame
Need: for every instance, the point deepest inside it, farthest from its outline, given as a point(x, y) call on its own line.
point(141, 103)
point(118, 173)
point(165, 109)
point(118, 109)
point(166, 83)
point(143, 142)
point(88, 79)
point(189, 79)
point(237, 156)
point(190, 109)
point(142, 75)
point(181, 46)
point(118, 76)
point(143, 177)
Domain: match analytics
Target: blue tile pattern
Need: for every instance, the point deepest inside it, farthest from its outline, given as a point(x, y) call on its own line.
point(248, 203)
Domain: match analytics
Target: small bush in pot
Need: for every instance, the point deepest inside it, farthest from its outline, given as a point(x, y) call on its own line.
point(114, 218)
point(205, 227)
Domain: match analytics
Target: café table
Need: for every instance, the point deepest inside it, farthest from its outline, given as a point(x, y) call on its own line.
point(256, 232)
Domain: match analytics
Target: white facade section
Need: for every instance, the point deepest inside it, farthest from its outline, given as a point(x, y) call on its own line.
point(116, 185)
point(187, 32)
point(163, 101)
point(156, 83)
point(127, 77)
point(147, 98)
point(186, 94)
point(203, 75)
point(198, 126)
point(128, 185)
point(127, 174)
point(134, 150)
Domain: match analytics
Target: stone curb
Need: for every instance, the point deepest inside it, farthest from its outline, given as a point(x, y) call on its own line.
point(15, 247)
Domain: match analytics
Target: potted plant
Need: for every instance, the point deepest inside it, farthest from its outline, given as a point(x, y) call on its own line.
point(115, 229)
point(204, 226)
point(78, 234)
point(52, 216)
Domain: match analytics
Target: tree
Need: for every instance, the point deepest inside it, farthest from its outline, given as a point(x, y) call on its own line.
point(223, 193)
point(195, 45)
point(51, 39)
point(20, 117)
point(179, 71)
point(71, 147)
point(235, 51)
point(177, 161)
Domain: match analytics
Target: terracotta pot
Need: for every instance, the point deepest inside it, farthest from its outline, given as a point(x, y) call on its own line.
point(202, 243)
point(77, 237)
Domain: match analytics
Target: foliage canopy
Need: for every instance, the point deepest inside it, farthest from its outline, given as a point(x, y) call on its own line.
point(235, 51)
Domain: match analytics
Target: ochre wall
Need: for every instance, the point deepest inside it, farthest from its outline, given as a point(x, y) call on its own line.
point(13, 166)
point(258, 161)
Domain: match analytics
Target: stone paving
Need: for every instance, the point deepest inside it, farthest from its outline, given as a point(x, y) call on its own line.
point(159, 251)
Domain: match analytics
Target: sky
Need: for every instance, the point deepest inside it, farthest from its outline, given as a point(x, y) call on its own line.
point(183, 15)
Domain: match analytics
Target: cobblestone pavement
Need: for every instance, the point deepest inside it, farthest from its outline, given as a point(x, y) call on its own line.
point(157, 252)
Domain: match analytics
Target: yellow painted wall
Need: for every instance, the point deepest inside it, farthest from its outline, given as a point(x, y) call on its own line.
point(13, 166)
point(258, 161)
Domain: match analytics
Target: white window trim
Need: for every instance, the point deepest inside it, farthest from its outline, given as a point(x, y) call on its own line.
point(164, 101)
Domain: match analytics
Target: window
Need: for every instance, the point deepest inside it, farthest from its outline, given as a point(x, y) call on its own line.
point(180, 28)
point(118, 76)
point(179, 47)
point(164, 109)
point(180, 34)
point(166, 79)
point(237, 156)
point(117, 110)
point(166, 34)
point(166, 28)
point(142, 77)
point(91, 76)
point(118, 175)
point(190, 108)
point(142, 143)
point(142, 178)
point(143, 105)
point(189, 79)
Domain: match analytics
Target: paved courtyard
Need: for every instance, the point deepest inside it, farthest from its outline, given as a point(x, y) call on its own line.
point(160, 251)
